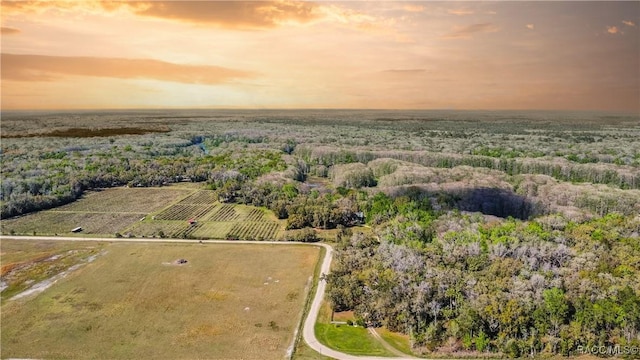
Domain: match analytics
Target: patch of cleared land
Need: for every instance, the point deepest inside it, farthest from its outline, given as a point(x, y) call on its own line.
point(158, 228)
point(26, 263)
point(227, 301)
point(151, 212)
point(56, 222)
point(218, 229)
point(121, 200)
point(399, 341)
point(354, 340)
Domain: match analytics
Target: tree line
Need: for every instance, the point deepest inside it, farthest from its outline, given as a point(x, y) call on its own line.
point(624, 178)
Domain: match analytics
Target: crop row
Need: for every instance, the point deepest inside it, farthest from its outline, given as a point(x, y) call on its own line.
point(255, 215)
point(187, 231)
point(110, 223)
point(121, 200)
point(225, 213)
point(58, 222)
point(184, 212)
point(202, 197)
point(212, 230)
point(254, 231)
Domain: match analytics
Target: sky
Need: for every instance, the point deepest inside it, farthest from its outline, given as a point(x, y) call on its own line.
point(301, 54)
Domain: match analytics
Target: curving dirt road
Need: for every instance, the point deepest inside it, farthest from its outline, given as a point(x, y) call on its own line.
point(308, 331)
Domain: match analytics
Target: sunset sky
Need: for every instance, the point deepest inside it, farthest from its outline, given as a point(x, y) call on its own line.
point(302, 54)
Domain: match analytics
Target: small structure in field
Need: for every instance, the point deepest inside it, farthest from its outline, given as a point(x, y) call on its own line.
point(181, 261)
point(192, 221)
point(76, 230)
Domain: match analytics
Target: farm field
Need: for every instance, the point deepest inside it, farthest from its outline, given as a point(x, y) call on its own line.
point(134, 200)
point(30, 262)
point(133, 301)
point(151, 212)
point(56, 222)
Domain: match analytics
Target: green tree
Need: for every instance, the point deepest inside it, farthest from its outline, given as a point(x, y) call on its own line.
point(556, 308)
point(482, 342)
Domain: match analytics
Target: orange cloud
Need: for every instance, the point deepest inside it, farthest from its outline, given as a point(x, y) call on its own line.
point(228, 14)
point(403, 71)
point(20, 6)
point(468, 31)
point(47, 68)
point(530, 26)
point(628, 23)
point(413, 8)
point(460, 12)
point(235, 15)
point(613, 29)
point(364, 22)
point(30, 6)
point(9, 31)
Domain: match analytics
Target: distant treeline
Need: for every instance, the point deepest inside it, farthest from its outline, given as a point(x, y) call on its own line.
point(624, 178)
point(90, 132)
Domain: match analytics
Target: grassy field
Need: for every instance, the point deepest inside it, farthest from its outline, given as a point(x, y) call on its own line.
point(126, 200)
point(227, 301)
point(151, 212)
point(345, 338)
point(61, 223)
point(27, 263)
point(397, 340)
point(304, 352)
point(15, 252)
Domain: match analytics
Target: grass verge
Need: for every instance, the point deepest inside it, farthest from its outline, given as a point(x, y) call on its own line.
point(348, 339)
point(398, 341)
point(300, 349)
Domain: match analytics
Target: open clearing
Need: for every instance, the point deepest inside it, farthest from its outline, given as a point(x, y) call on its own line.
point(227, 301)
point(354, 340)
point(55, 222)
point(133, 200)
point(27, 263)
point(151, 212)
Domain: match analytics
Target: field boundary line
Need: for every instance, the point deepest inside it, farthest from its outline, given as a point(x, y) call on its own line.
point(174, 202)
point(307, 302)
point(95, 212)
point(296, 333)
point(153, 213)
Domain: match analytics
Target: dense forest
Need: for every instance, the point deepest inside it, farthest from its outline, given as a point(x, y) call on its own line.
point(500, 232)
point(518, 288)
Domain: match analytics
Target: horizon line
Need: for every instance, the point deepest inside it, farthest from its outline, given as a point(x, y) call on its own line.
point(625, 112)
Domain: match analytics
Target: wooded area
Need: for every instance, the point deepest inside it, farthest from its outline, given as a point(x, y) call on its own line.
point(514, 233)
